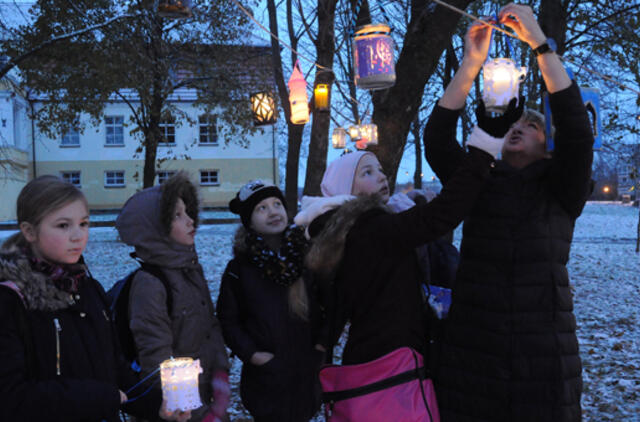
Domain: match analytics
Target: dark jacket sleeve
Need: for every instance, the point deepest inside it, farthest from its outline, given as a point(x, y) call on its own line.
point(441, 149)
point(149, 321)
point(61, 399)
point(570, 175)
point(231, 315)
point(427, 222)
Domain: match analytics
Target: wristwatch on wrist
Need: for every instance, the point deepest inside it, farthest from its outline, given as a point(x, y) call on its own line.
point(549, 46)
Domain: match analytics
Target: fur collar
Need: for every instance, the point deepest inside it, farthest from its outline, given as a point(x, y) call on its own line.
point(327, 248)
point(38, 291)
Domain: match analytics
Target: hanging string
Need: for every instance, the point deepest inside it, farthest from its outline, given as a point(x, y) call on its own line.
point(497, 28)
point(354, 20)
point(384, 13)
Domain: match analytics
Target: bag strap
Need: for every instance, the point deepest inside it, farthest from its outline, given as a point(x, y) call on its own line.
point(401, 378)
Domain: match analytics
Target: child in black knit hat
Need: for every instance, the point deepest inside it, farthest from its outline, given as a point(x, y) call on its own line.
point(263, 308)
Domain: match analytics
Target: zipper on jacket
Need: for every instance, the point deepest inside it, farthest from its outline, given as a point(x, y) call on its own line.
point(58, 328)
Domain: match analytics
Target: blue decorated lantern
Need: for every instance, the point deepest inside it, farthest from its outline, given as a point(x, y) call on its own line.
point(373, 57)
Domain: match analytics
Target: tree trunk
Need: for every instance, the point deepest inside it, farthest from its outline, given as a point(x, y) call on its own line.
point(415, 130)
point(428, 34)
point(319, 144)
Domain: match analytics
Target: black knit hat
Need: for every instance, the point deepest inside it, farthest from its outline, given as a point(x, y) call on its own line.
point(250, 195)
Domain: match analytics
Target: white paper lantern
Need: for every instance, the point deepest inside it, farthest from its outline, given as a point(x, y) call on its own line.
point(369, 133)
point(354, 132)
point(179, 378)
point(501, 82)
point(339, 138)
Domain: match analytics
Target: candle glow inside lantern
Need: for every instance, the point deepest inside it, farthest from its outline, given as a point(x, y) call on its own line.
point(369, 133)
point(339, 138)
point(175, 9)
point(501, 82)
point(263, 106)
point(298, 97)
point(354, 132)
point(321, 97)
point(373, 51)
point(179, 379)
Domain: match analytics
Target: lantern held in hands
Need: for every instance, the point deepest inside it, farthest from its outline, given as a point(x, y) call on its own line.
point(298, 97)
point(501, 82)
point(339, 138)
point(180, 383)
point(373, 57)
point(263, 106)
point(175, 9)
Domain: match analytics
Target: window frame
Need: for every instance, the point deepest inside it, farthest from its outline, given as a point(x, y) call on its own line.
point(208, 124)
point(115, 185)
point(70, 132)
point(118, 122)
point(209, 183)
point(165, 127)
point(168, 174)
point(70, 174)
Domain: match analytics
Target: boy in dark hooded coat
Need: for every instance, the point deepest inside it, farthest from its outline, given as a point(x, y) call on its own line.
point(160, 222)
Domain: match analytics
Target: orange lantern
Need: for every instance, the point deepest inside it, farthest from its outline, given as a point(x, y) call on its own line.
point(298, 97)
point(321, 97)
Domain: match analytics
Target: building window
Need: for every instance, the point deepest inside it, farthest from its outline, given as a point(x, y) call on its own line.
point(114, 178)
point(70, 139)
point(163, 176)
point(115, 130)
point(168, 133)
point(208, 129)
point(209, 177)
point(72, 177)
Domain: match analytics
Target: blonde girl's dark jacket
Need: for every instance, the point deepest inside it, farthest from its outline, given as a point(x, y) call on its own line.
point(191, 328)
point(59, 359)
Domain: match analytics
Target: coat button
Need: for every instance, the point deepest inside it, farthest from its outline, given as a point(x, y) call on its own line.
point(77, 297)
point(82, 314)
point(193, 261)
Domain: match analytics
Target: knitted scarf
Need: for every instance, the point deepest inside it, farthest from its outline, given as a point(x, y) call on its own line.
point(66, 277)
point(285, 266)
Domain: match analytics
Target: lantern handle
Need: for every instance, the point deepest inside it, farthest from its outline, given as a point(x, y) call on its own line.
point(512, 51)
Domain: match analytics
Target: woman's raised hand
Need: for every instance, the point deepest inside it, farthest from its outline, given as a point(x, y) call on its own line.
point(521, 19)
point(476, 43)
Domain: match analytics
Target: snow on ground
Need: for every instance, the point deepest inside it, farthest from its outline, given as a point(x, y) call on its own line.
point(604, 269)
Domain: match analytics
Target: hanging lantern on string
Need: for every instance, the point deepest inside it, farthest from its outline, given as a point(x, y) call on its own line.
point(321, 97)
point(175, 9)
point(373, 57)
point(502, 80)
point(179, 378)
point(339, 138)
point(263, 106)
point(354, 132)
point(298, 97)
point(369, 133)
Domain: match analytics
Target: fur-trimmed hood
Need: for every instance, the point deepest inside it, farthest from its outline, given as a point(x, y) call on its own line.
point(240, 241)
point(36, 289)
point(327, 248)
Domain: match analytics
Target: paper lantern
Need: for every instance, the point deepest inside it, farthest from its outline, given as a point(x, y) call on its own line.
point(339, 138)
point(369, 133)
point(298, 97)
point(321, 97)
point(175, 9)
point(179, 379)
point(263, 106)
point(354, 132)
point(373, 57)
point(501, 82)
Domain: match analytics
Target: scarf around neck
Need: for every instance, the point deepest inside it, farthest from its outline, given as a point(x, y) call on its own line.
point(66, 277)
point(285, 266)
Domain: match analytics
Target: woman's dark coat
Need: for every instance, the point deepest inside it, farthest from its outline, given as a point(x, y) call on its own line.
point(511, 352)
point(90, 366)
point(370, 253)
point(255, 316)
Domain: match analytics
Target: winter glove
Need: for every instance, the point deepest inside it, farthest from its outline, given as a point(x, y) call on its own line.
point(482, 140)
point(499, 126)
point(221, 397)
